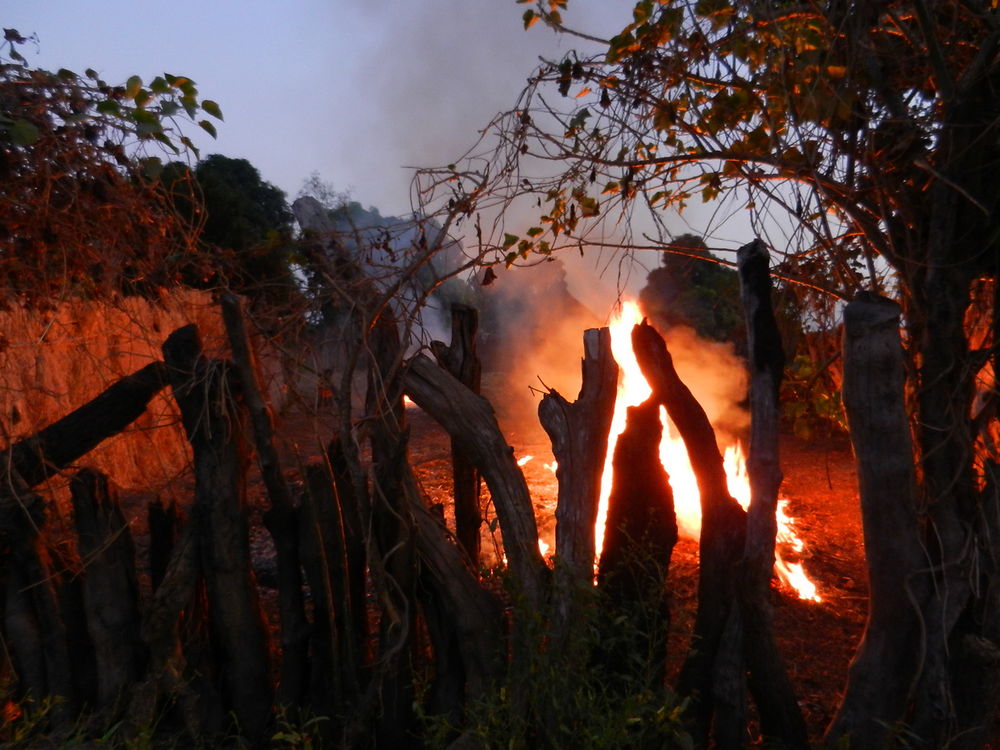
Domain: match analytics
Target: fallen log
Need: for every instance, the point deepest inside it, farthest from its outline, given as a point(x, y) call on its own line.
point(36, 458)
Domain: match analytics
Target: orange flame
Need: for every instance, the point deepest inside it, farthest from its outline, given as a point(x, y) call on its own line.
point(632, 391)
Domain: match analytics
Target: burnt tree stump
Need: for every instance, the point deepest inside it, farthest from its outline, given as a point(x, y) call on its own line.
point(579, 435)
point(639, 539)
point(712, 674)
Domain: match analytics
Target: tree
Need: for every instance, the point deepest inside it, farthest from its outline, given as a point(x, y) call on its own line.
point(245, 225)
point(862, 135)
point(687, 290)
point(79, 208)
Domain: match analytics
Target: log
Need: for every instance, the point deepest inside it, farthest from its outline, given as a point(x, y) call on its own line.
point(110, 588)
point(780, 716)
point(468, 625)
point(723, 537)
point(470, 418)
point(639, 538)
point(35, 626)
point(42, 455)
point(237, 623)
point(579, 435)
point(887, 659)
point(334, 668)
point(163, 522)
point(460, 359)
point(393, 558)
point(167, 677)
point(280, 519)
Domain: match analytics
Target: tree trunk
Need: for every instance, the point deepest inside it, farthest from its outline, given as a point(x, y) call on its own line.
point(110, 589)
point(780, 716)
point(200, 386)
point(885, 665)
point(705, 677)
point(579, 434)
point(459, 358)
point(280, 519)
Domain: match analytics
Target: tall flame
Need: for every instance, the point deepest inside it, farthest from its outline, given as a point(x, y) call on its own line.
point(632, 391)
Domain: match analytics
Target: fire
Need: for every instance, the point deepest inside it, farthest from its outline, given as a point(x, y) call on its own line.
point(632, 391)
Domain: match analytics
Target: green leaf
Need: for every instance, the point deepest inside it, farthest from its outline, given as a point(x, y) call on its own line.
point(160, 85)
point(212, 108)
point(108, 107)
point(152, 168)
point(509, 240)
point(169, 108)
point(165, 140)
point(133, 86)
point(208, 128)
point(66, 74)
point(143, 98)
point(535, 231)
point(24, 133)
point(529, 18)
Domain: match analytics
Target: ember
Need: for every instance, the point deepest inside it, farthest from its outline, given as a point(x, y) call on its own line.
point(633, 390)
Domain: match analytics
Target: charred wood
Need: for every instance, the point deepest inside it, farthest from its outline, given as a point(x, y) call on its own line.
point(42, 455)
point(723, 537)
point(470, 418)
point(460, 359)
point(201, 387)
point(110, 588)
point(164, 522)
point(394, 548)
point(280, 519)
point(334, 669)
point(639, 539)
point(780, 716)
point(884, 667)
point(32, 616)
point(579, 435)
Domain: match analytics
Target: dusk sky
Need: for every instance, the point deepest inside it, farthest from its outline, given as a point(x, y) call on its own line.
point(354, 90)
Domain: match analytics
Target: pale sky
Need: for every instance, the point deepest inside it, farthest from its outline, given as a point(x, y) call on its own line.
point(352, 89)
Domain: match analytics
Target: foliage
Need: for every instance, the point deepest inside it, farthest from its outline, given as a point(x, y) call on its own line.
point(245, 225)
point(79, 210)
point(690, 288)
